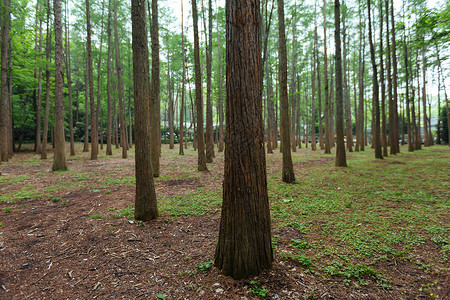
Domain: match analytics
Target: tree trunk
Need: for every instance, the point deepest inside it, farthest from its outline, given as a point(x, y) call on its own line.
point(395, 131)
point(341, 160)
point(99, 107)
point(123, 139)
point(69, 84)
point(383, 86)
point(48, 50)
point(376, 140)
point(424, 101)
point(86, 111)
point(171, 113)
point(360, 143)
point(209, 114)
point(109, 121)
point(39, 91)
point(59, 157)
point(244, 247)
point(5, 125)
point(408, 113)
point(183, 82)
point(145, 201)
point(155, 127)
point(313, 94)
point(325, 72)
point(220, 101)
point(288, 175)
point(198, 93)
point(348, 109)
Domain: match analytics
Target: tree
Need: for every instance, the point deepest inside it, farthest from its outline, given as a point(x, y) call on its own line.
point(145, 201)
point(383, 86)
point(94, 126)
point(183, 81)
point(59, 158)
point(341, 160)
point(69, 84)
point(219, 100)
point(393, 128)
point(48, 46)
point(4, 115)
point(198, 92)
point(39, 78)
point(325, 72)
point(108, 90)
point(209, 114)
point(288, 175)
point(123, 140)
point(244, 248)
point(375, 101)
point(155, 129)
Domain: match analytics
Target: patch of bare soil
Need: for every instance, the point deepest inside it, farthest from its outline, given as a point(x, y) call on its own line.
point(52, 250)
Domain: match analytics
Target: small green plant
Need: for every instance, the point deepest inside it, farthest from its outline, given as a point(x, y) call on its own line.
point(303, 261)
point(300, 244)
point(7, 210)
point(258, 290)
point(160, 296)
point(96, 216)
point(55, 199)
point(64, 202)
point(127, 212)
point(205, 266)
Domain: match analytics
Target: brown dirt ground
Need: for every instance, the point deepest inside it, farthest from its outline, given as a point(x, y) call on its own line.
point(53, 251)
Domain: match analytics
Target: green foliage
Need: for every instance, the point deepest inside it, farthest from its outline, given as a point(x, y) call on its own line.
point(444, 125)
point(160, 296)
point(127, 212)
point(7, 209)
point(303, 261)
point(258, 290)
point(96, 216)
point(205, 266)
point(300, 244)
point(55, 199)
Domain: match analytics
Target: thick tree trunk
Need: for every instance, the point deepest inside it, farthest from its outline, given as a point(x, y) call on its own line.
point(145, 201)
point(198, 93)
point(376, 140)
point(59, 157)
point(341, 160)
point(5, 125)
point(244, 248)
point(288, 175)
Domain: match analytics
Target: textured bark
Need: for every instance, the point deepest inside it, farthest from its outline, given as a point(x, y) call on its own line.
point(270, 111)
point(408, 113)
point(109, 121)
point(341, 160)
point(288, 175)
point(426, 136)
point(170, 104)
point(325, 78)
point(219, 100)
point(209, 113)
point(319, 98)
point(59, 157)
point(198, 93)
point(292, 89)
point(86, 111)
point(155, 128)
point(376, 105)
point(122, 124)
point(360, 143)
point(145, 201)
point(39, 89)
point(94, 126)
point(99, 85)
point(69, 84)
point(313, 94)
point(244, 247)
point(4, 117)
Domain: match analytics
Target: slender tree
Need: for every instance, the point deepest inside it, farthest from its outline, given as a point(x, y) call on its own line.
point(48, 46)
point(348, 113)
point(67, 62)
point(4, 124)
point(39, 78)
point(59, 157)
point(376, 106)
point(383, 87)
point(198, 93)
point(209, 113)
point(325, 72)
point(219, 100)
point(313, 94)
point(183, 82)
point(394, 129)
point(155, 128)
point(341, 160)
point(244, 248)
point(109, 101)
point(145, 201)
point(99, 76)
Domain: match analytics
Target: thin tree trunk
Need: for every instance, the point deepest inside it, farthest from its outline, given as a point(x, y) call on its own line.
point(183, 81)
point(209, 113)
point(47, 85)
point(395, 130)
point(69, 84)
point(109, 121)
point(313, 94)
point(424, 101)
point(325, 72)
point(155, 115)
point(383, 86)
point(5, 125)
point(39, 92)
point(220, 101)
point(99, 107)
point(348, 111)
point(86, 110)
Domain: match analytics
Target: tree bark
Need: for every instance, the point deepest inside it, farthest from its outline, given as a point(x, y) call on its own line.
point(145, 201)
point(99, 85)
point(198, 93)
point(383, 86)
point(48, 50)
point(288, 175)
point(155, 115)
point(395, 130)
point(109, 121)
point(69, 84)
point(219, 100)
point(5, 125)
point(59, 157)
point(209, 114)
point(39, 89)
point(244, 247)
point(183, 83)
point(325, 72)
point(341, 160)
point(348, 109)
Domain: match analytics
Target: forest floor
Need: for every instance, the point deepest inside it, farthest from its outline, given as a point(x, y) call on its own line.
point(378, 229)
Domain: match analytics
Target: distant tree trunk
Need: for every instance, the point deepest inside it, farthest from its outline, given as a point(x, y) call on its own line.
point(408, 113)
point(288, 175)
point(109, 121)
point(123, 139)
point(183, 82)
point(99, 73)
point(313, 94)
point(293, 84)
point(426, 137)
point(244, 247)
point(69, 84)
point(325, 72)
point(383, 86)
point(219, 100)
point(48, 50)
point(321, 140)
point(209, 113)
point(198, 93)
point(94, 126)
point(395, 130)
point(348, 111)
point(376, 140)
point(155, 118)
point(145, 201)
point(86, 111)
point(39, 89)
point(171, 113)
point(59, 157)
point(270, 110)
point(341, 160)
point(360, 144)
point(5, 125)
point(418, 131)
